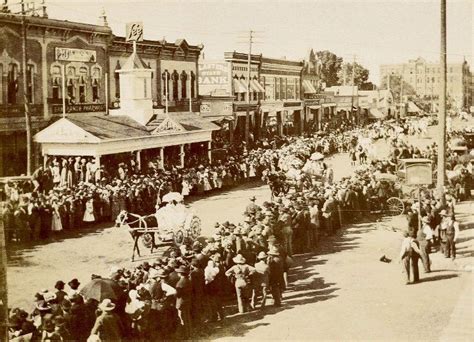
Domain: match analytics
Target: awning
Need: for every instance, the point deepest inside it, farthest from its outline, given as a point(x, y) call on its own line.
point(325, 105)
point(314, 107)
point(239, 86)
point(308, 87)
point(253, 87)
point(257, 85)
point(376, 113)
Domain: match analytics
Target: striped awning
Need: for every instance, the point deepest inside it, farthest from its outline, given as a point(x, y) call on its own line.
point(256, 85)
point(308, 87)
point(239, 86)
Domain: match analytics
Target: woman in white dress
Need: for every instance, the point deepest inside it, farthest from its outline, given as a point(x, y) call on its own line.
point(56, 225)
point(186, 187)
point(89, 212)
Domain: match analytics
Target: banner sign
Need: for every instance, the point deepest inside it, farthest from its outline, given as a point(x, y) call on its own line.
point(75, 55)
point(79, 108)
point(134, 32)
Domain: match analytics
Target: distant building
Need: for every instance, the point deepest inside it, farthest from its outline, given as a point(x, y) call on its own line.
point(378, 103)
point(424, 77)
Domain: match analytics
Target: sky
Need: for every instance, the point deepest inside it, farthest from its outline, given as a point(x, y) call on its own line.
point(375, 31)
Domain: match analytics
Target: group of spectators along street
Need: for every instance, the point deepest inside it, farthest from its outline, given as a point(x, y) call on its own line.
point(247, 262)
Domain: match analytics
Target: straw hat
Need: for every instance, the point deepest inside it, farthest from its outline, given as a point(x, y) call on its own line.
point(239, 259)
point(106, 305)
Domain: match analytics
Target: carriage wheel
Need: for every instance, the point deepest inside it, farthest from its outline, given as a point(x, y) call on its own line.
point(195, 228)
point(178, 237)
point(395, 206)
point(147, 240)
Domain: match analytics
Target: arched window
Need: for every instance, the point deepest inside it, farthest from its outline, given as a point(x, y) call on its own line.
point(117, 80)
point(165, 76)
point(12, 83)
point(30, 83)
point(82, 89)
point(193, 84)
point(95, 90)
point(175, 78)
point(71, 91)
point(184, 84)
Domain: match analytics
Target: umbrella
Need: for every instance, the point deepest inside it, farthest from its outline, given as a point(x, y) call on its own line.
point(172, 196)
point(317, 156)
point(100, 289)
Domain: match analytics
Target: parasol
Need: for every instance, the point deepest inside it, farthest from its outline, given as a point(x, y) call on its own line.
point(172, 196)
point(317, 156)
point(100, 289)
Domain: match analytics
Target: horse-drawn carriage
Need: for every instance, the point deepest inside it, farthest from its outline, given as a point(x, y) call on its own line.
point(173, 222)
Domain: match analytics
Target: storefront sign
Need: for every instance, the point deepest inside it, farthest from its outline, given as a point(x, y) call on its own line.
point(79, 108)
point(75, 55)
point(240, 108)
point(134, 32)
point(419, 173)
point(213, 76)
point(291, 104)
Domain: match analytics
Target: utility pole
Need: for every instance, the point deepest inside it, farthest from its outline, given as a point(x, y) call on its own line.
point(442, 109)
point(25, 90)
point(247, 115)
point(352, 82)
point(401, 91)
point(344, 74)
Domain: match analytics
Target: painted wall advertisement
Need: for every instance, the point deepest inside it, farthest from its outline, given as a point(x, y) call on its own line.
point(75, 55)
point(214, 76)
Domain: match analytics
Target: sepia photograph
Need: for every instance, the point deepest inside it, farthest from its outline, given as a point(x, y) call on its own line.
point(248, 170)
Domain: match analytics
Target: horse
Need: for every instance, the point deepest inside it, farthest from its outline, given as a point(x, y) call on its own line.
point(276, 182)
point(138, 226)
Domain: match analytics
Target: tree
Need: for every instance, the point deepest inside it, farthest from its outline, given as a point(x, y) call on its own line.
point(331, 64)
point(394, 86)
point(361, 75)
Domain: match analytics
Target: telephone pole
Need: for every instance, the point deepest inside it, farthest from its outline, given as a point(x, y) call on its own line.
point(352, 82)
point(442, 109)
point(24, 64)
point(247, 114)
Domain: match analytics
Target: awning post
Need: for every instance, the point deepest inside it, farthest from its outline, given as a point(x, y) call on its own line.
point(162, 157)
point(209, 152)
point(139, 159)
point(181, 154)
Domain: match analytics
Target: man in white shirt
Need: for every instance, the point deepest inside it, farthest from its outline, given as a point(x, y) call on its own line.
point(409, 256)
point(425, 237)
point(450, 229)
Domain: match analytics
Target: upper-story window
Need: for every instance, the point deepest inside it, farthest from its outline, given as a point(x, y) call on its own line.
point(96, 75)
point(12, 83)
point(117, 80)
point(184, 83)
point(174, 79)
point(193, 85)
point(166, 84)
point(30, 83)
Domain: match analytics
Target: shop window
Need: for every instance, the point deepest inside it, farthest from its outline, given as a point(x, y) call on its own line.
point(95, 91)
point(283, 88)
point(184, 90)
point(175, 78)
point(12, 84)
point(193, 83)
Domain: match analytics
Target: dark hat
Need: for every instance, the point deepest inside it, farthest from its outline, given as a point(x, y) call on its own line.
point(182, 269)
point(59, 285)
point(74, 283)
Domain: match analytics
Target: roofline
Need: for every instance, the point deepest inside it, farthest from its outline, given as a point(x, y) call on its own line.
point(157, 43)
point(56, 23)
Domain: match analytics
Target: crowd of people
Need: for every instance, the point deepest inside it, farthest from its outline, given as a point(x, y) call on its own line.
point(248, 262)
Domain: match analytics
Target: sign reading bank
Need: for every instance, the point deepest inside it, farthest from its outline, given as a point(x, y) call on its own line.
point(214, 75)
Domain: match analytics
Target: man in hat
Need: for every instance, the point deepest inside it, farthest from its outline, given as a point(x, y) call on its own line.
point(184, 293)
point(409, 256)
point(449, 231)
point(241, 274)
point(60, 293)
point(424, 237)
point(215, 280)
point(107, 325)
point(198, 285)
point(261, 280)
point(251, 208)
point(276, 280)
point(73, 287)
